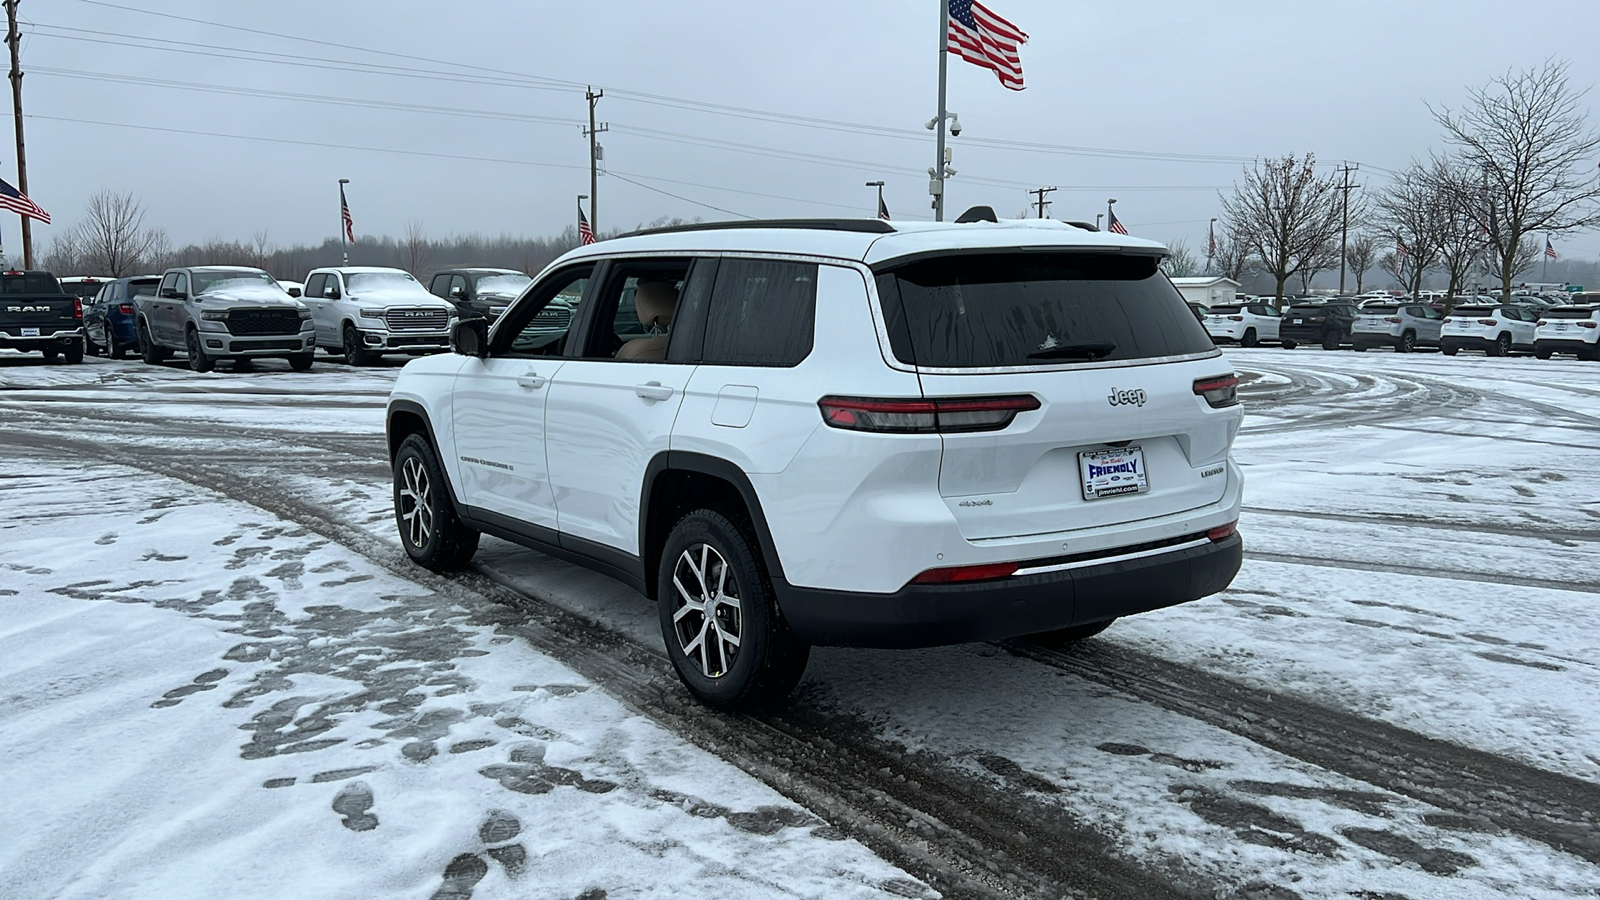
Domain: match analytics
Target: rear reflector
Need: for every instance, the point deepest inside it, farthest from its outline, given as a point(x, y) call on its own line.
point(77, 307)
point(942, 416)
point(956, 574)
point(1223, 532)
point(125, 308)
point(1219, 391)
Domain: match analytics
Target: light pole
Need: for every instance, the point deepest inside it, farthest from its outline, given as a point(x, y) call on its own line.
point(1109, 217)
point(344, 223)
point(881, 211)
point(1098, 217)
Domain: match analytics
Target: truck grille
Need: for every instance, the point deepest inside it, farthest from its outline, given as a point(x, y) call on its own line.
point(264, 321)
point(417, 319)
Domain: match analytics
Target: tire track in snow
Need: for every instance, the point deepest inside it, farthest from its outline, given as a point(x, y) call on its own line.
point(1393, 568)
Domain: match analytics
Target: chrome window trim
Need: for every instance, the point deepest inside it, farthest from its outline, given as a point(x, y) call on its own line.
point(1119, 557)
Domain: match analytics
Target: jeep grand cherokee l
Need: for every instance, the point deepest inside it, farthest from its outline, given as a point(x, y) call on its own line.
point(852, 433)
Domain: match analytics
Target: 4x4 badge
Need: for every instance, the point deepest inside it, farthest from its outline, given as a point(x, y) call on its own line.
point(1127, 398)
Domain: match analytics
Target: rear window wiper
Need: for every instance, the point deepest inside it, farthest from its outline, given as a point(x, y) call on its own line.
point(1088, 350)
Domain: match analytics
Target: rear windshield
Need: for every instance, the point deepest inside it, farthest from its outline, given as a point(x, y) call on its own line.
point(1569, 312)
point(30, 283)
point(1473, 311)
point(1375, 309)
point(1016, 309)
point(84, 289)
point(1226, 309)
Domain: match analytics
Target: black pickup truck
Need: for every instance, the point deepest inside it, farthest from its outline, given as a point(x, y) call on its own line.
point(35, 314)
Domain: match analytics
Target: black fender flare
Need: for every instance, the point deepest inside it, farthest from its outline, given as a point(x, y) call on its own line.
point(687, 461)
point(417, 409)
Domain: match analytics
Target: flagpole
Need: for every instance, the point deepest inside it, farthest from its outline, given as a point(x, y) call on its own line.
point(937, 185)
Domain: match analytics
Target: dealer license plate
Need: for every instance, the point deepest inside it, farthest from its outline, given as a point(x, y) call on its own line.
point(1296, 321)
point(30, 332)
point(1107, 473)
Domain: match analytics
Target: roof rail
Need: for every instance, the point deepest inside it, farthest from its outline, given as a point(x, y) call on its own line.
point(977, 214)
point(1084, 225)
point(860, 226)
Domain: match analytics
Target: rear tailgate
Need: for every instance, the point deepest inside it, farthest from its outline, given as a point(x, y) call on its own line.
point(1110, 352)
point(32, 305)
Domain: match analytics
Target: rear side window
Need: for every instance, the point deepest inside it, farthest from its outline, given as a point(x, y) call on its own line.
point(763, 313)
point(1018, 309)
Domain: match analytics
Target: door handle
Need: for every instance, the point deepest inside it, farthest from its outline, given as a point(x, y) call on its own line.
point(653, 391)
point(531, 381)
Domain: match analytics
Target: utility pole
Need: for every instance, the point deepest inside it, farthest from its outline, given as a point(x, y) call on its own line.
point(936, 175)
point(14, 38)
point(593, 96)
point(880, 210)
point(1041, 202)
point(1344, 223)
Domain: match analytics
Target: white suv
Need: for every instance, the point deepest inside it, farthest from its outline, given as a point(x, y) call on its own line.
point(1568, 329)
point(367, 311)
point(1248, 324)
point(1496, 329)
point(851, 433)
point(1405, 327)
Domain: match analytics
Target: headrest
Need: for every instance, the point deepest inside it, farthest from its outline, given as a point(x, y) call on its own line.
point(655, 301)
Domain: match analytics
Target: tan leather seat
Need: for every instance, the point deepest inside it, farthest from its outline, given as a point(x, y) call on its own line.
point(654, 302)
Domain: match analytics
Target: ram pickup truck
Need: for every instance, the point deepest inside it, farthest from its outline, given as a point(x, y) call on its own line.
point(216, 313)
point(35, 314)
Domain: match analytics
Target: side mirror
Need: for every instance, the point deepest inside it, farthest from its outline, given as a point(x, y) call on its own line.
point(470, 337)
point(332, 293)
point(294, 292)
point(458, 292)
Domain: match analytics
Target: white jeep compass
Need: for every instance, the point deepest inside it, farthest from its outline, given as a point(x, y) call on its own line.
point(798, 433)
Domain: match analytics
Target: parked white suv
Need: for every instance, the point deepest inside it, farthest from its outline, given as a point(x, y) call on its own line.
point(1568, 329)
point(1495, 329)
point(851, 433)
point(367, 311)
point(1247, 324)
point(1405, 327)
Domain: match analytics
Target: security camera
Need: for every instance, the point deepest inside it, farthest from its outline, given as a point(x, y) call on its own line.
point(955, 125)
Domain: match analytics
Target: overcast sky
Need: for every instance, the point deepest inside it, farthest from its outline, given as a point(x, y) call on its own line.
point(1225, 79)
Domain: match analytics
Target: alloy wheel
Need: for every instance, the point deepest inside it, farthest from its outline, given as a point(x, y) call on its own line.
point(416, 502)
point(709, 616)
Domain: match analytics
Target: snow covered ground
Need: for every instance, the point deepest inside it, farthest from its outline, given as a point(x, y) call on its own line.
point(202, 695)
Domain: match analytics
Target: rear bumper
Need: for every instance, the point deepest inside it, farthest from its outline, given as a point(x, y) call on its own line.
point(1566, 345)
point(1306, 334)
point(44, 341)
point(1467, 342)
point(1375, 338)
point(935, 615)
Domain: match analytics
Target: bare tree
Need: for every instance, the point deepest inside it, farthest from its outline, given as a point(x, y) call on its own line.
point(1180, 263)
point(65, 256)
point(415, 249)
point(1411, 217)
point(159, 255)
point(1531, 144)
point(1462, 244)
point(1287, 214)
point(1231, 258)
point(1325, 258)
point(262, 249)
point(1359, 255)
point(112, 236)
point(1393, 265)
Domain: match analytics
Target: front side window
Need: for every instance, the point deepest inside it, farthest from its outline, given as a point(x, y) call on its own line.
point(314, 285)
point(538, 325)
point(762, 313)
point(1017, 309)
point(636, 311)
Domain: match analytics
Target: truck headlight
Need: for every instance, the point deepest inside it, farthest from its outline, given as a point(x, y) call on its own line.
point(214, 315)
point(371, 313)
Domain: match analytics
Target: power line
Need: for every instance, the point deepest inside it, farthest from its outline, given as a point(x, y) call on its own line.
point(677, 197)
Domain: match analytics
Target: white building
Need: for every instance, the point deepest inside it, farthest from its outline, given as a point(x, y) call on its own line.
point(1207, 290)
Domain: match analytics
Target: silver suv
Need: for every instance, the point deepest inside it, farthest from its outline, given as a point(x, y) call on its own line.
point(217, 313)
point(852, 433)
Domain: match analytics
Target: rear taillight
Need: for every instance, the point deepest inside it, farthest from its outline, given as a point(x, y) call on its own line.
point(1220, 391)
point(958, 574)
point(125, 308)
point(1542, 322)
point(1487, 322)
point(1236, 318)
point(77, 307)
point(1223, 532)
point(1589, 324)
point(924, 416)
point(1393, 320)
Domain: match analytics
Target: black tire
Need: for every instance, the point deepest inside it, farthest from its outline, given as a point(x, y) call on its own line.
point(1501, 346)
point(768, 660)
point(91, 346)
point(302, 362)
point(1062, 638)
point(1249, 338)
point(115, 350)
point(1542, 354)
point(433, 535)
point(1449, 349)
point(1330, 341)
point(1408, 343)
point(1289, 345)
point(198, 360)
point(355, 354)
point(50, 354)
point(1359, 347)
point(72, 354)
point(148, 351)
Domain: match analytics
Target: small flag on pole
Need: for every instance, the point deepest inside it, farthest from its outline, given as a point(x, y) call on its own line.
point(344, 214)
point(1211, 239)
point(18, 202)
point(585, 233)
point(1549, 251)
point(984, 39)
point(1401, 250)
point(1115, 225)
point(883, 210)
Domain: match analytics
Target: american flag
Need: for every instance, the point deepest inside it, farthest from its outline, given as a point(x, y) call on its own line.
point(1401, 251)
point(18, 202)
point(1549, 250)
point(883, 210)
point(1114, 225)
point(984, 39)
point(585, 233)
point(344, 213)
